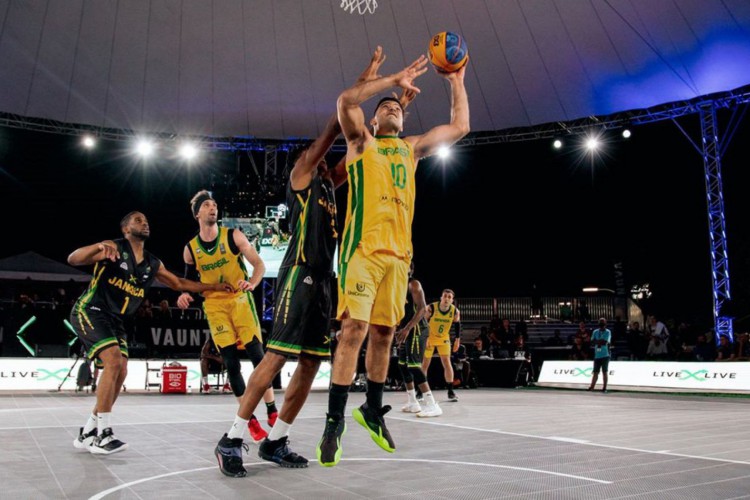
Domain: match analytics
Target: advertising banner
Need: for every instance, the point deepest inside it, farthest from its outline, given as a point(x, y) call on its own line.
point(46, 374)
point(688, 376)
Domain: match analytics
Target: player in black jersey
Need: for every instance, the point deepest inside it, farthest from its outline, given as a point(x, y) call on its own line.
point(302, 305)
point(302, 300)
point(123, 273)
point(411, 338)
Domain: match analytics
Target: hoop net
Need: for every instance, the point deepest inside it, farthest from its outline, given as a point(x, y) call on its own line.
point(361, 6)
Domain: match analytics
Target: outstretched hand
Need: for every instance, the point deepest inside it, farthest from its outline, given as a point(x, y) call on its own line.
point(405, 78)
point(407, 96)
point(371, 71)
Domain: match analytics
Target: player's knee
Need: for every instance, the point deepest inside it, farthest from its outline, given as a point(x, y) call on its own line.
point(406, 373)
point(418, 375)
point(231, 359)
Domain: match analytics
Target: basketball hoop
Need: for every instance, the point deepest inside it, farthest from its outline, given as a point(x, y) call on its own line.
point(360, 6)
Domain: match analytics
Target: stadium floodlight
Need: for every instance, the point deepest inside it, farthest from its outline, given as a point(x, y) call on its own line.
point(88, 141)
point(188, 151)
point(144, 147)
point(592, 144)
point(443, 152)
point(557, 144)
point(626, 133)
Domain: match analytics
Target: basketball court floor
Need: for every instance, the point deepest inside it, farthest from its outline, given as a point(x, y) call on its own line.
point(493, 443)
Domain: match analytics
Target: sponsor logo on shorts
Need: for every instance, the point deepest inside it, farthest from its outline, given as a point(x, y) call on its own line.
point(360, 291)
point(308, 280)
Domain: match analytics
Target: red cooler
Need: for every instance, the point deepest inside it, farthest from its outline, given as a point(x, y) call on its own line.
point(174, 379)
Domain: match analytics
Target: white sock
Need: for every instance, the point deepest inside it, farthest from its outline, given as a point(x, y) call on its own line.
point(412, 394)
point(238, 428)
point(102, 421)
point(204, 380)
point(279, 430)
point(90, 424)
point(428, 399)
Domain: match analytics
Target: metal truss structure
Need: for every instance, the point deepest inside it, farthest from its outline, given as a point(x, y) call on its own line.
point(710, 148)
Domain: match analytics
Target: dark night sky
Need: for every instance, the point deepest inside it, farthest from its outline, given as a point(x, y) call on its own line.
point(489, 222)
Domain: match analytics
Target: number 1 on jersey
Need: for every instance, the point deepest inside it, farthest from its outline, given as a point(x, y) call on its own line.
point(125, 305)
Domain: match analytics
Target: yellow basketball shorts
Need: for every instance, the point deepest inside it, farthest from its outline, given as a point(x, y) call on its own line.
point(232, 319)
point(372, 288)
point(443, 347)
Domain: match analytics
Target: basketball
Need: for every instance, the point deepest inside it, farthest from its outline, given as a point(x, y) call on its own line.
point(448, 52)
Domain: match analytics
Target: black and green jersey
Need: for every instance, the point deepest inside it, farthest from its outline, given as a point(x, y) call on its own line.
point(119, 287)
point(313, 225)
point(410, 310)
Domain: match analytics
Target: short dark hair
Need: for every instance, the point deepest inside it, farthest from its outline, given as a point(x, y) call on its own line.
point(388, 98)
point(126, 220)
point(449, 291)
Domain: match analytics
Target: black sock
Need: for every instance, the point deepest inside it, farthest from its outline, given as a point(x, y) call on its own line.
point(271, 407)
point(337, 396)
point(375, 394)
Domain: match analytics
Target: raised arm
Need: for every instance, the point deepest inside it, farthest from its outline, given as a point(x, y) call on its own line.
point(445, 135)
point(249, 252)
point(305, 166)
point(351, 116)
point(302, 172)
point(90, 254)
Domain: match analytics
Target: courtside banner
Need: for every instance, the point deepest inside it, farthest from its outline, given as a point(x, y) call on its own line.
point(729, 376)
point(21, 374)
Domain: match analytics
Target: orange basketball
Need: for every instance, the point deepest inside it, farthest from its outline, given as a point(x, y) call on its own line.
point(448, 52)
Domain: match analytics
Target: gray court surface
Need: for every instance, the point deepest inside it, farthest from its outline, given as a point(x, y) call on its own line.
point(493, 443)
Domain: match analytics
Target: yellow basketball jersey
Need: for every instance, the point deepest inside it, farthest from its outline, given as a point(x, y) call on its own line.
point(380, 206)
point(218, 264)
point(440, 322)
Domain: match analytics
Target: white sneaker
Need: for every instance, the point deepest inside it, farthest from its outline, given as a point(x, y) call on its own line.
point(83, 441)
point(411, 408)
point(430, 411)
point(107, 444)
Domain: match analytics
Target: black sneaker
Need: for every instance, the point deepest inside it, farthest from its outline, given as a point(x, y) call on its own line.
point(278, 451)
point(452, 396)
point(106, 443)
point(83, 441)
point(229, 454)
point(372, 420)
point(329, 447)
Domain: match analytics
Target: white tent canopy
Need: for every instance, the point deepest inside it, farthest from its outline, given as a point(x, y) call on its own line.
point(274, 68)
